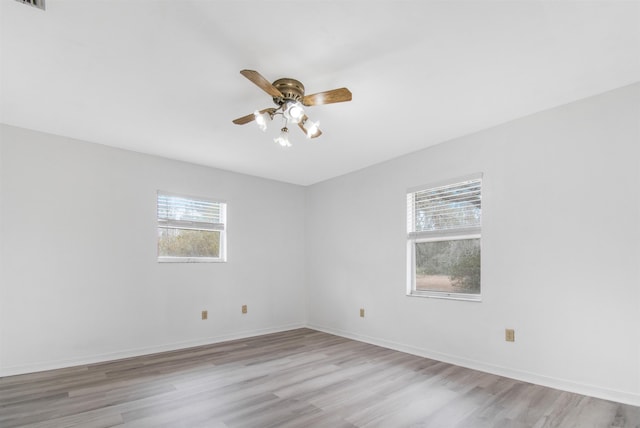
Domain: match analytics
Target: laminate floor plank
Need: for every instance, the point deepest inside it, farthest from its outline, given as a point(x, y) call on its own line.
point(299, 378)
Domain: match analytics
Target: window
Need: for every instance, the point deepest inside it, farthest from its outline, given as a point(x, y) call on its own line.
point(443, 239)
point(190, 229)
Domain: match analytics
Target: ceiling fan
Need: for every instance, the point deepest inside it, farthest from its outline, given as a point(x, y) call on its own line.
point(290, 100)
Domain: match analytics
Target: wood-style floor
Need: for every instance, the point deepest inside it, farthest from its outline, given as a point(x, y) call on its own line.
point(299, 378)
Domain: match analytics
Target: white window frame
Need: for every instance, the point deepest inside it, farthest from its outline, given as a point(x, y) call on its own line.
point(414, 238)
point(220, 227)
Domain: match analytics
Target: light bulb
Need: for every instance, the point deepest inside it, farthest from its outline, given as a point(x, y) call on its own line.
point(294, 111)
point(261, 121)
point(283, 138)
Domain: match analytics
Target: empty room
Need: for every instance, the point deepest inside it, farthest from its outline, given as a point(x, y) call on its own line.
point(319, 213)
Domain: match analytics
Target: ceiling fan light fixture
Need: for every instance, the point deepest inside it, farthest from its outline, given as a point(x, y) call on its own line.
point(293, 111)
point(311, 128)
point(283, 138)
point(261, 120)
point(289, 97)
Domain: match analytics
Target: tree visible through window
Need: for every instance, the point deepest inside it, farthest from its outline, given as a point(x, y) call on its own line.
point(444, 226)
point(190, 229)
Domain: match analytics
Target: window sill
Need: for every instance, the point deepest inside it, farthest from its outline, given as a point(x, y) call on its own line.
point(447, 296)
point(190, 260)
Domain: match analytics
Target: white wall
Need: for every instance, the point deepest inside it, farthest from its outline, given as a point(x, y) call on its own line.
point(79, 277)
point(560, 261)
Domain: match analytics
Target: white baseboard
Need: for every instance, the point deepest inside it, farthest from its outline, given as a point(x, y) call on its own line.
point(556, 383)
point(111, 356)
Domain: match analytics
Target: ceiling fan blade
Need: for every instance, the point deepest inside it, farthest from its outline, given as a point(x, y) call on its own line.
point(327, 97)
point(251, 117)
point(244, 119)
point(301, 124)
point(261, 82)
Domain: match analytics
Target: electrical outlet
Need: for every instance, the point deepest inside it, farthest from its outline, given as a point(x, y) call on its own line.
point(361, 312)
point(510, 335)
point(205, 315)
point(244, 309)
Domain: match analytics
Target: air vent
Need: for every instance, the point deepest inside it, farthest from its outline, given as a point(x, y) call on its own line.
point(36, 3)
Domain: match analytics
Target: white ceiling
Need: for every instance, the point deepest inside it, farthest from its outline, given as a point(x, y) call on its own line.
point(162, 76)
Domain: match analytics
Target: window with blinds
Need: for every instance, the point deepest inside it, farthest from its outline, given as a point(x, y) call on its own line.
point(190, 229)
point(443, 239)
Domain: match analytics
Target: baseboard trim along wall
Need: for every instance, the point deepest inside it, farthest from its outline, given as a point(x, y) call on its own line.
point(93, 359)
point(561, 384)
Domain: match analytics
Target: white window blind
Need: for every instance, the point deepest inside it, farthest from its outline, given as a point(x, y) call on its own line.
point(189, 213)
point(445, 208)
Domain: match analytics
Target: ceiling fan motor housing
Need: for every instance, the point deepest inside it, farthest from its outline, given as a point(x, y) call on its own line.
point(291, 89)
